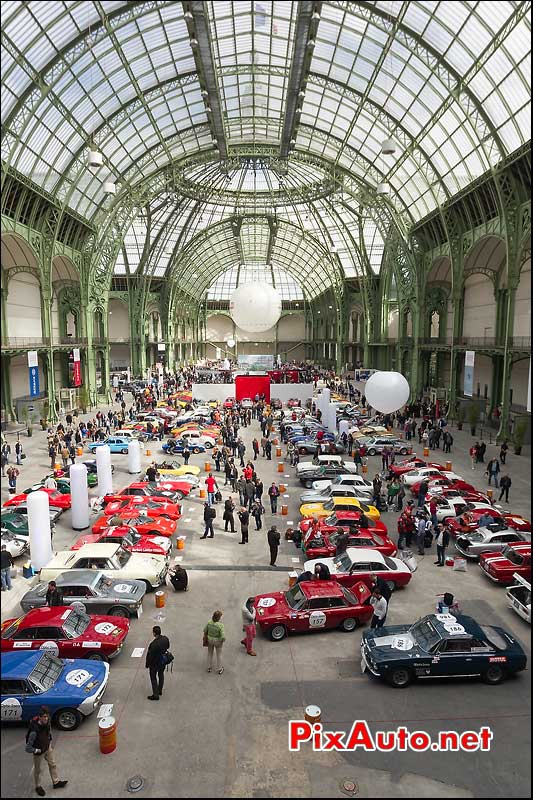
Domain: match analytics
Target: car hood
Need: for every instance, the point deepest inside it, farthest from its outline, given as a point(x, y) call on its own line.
point(269, 606)
point(392, 642)
point(79, 678)
point(497, 561)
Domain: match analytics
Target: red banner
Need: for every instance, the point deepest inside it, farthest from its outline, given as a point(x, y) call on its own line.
point(250, 385)
point(76, 373)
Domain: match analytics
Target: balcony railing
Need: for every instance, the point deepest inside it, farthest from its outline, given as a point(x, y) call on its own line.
point(13, 342)
point(471, 342)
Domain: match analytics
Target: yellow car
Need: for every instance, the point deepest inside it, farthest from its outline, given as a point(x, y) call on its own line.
point(174, 468)
point(319, 510)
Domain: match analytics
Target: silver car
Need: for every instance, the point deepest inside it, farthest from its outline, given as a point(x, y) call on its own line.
point(336, 491)
point(489, 539)
point(375, 445)
point(98, 593)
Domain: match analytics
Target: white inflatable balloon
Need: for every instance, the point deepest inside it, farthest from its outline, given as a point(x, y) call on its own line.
point(344, 427)
point(103, 470)
point(39, 529)
point(79, 497)
point(255, 307)
point(387, 391)
point(330, 418)
point(134, 457)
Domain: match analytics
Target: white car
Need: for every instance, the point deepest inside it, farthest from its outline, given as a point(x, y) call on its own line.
point(246, 402)
point(15, 545)
point(345, 480)
point(417, 475)
point(113, 560)
point(321, 461)
point(519, 597)
point(312, 496)
point(358, 561)
point(193, 437)
point(447, 506)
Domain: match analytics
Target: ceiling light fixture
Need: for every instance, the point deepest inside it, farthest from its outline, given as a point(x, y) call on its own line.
point(95, 158)
point(311, 43)
point(193, 43)
point(204, 93)
point(316, 15)
point(301, 94)
point(187, 15)
point(109, 187)
point(388, 147)
point(382, 188)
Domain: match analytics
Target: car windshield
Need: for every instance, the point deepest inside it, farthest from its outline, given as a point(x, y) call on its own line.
point(75, 624)
point(295, 597)
point(476, 536)
point(46, 672)
point(343, 563)
point(15, 521)
point(122, 556)
point(8, 632)
point(104, 584)
point(350, 597)
point(424, 634)
point(512, 556)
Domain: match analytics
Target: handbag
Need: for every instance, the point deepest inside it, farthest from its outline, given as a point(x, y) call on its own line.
point(205, 642)
point(23, 455)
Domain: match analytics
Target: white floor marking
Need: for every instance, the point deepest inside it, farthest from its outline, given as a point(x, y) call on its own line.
point(178, 558)
point(188, 519)
point(137, 652)
point(295, 560)
point(106, 710)
point(289, 522)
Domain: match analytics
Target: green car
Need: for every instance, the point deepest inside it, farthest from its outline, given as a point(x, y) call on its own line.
point(63, 484)
point(14, 523)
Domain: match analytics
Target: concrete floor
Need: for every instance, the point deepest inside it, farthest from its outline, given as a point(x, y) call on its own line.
point(226, 736)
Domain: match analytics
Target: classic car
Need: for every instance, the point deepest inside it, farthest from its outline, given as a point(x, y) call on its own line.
point(229, 402)
point(63, 486)
point(175, 447)
point(92, 476)
point(400, 467)
point(16, 523)
point(318, 472)
point(298, 437)
point(22, 511)
point(358, 563)
point(311, 446)
point(55, 498)
point(501, 567)
point(446, 506)
point(292, 402)
point(442, 482)
point(489, 539)
point(129, 538)
point(158, 491)
point(113, 560)
point(375, 445)
point(469, 520)
point(100, 594)
point(246, 402)
point(116, 444)
point(15, 545)
point(440, 646)
point(65, 632)
point(338, 503)
point(429, 473)
point(519, 597)
point(336, 490)
point(358, 481)
point(312, 606)
point(143, 505)
point(208, 440)
point(468, 496)
point(343, 519)
point(169, 468)
point(139, 519)
point(70, 687)
point(323, 542)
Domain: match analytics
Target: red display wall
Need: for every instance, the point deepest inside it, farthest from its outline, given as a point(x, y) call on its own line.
point(250, 385)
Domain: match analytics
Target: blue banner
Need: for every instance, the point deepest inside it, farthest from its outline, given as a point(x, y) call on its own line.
point(34, 381)
point(468, 384)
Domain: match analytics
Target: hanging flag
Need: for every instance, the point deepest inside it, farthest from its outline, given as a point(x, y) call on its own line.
point(33, 365)
point(468, 378)
point(260, 15)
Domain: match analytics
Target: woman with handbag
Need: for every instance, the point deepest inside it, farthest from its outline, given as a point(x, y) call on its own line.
point(214, 638)
point(229, 519)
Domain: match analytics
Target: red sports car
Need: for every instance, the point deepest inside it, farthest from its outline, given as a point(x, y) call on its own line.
point(153, 526)
point(324, 542)
point(359, 563)
point(161, 492)
point(65, 632)
point(501, 567)
point(444, 483)
point(144, 505)
point(400, 467)
point(469, 496)
point(129, 539)
point(469, 521)
point(229, 402)
point(56, 499)
point(293, 402)
point(344, 519)
point(312, 606)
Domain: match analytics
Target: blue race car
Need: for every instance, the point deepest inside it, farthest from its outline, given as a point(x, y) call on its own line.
point(116, 444)
point(176, 446)
point(71, 687)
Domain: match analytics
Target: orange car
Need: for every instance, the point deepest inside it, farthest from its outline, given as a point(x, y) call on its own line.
point(153, 526)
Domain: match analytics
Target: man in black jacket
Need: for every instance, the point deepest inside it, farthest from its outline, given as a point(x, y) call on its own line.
point(6, 562)
point(54, 596)
point(154, 662)
point(39, 743)
point(380, 585)
point(209, 516)
point(244, 517)
point(274, 539)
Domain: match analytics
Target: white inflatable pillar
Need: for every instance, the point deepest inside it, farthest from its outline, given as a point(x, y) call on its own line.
point(103, 469)
point(344, 427)
point(39, 528)
point(326, 397)
point(134, 457)
point(79, 497)
point(330, 418)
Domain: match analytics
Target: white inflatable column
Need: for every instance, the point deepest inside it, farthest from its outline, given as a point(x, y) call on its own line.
point(79, 497)
point(330, 418)
point(39, 528)
point(134, 457)
point(103, 468)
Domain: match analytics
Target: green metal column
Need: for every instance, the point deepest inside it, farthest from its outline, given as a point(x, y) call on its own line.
point(505, 395)
point(415, 353)
point(7, 402)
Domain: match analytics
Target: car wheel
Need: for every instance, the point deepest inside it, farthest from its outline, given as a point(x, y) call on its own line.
point(404, 451)
point(278, 632)
point(124, 452)
point(96, 657)
point(196, 449)
point(372, 452)
point(302, 451)
point(67, 719)
point(208, 445)
point(349, 624)
point(400, 678)
point(309, 485)
point(147, 584)
point(494, 674)
point(93, 451)
point(119, 611)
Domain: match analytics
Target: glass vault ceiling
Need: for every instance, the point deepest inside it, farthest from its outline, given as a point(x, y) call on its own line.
point(449, 82)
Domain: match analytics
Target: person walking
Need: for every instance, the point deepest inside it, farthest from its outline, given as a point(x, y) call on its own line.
point(268, 450)
point(249, 494)
point(214, 638)
point(227, 472)
point(273, 493)
point(12, 475)
point(505, 485)
point(274, 538)
point(259, 489)
point(442, 540)
point(421, 534)
point(255, 448)
point(155, 662)
point(447, 440)
point(473, 455)
point(379, 604)
point(493, 470)
point(229, 519)
point(39, 744)
point(6, 452)
point(211, 484)
point(422, 491)
point(54, 595)
point(257, 512)
point(248, 626)
point(376, 489)
point(244, 519)
point(209, 515)
point(6, 562)
point(381, 585)
point(503, 451)
point(18, 452)
point(186, 453)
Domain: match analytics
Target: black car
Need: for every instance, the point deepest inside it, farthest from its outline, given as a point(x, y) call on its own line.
point(319, 473)
point(441, 646)
point(315, 446)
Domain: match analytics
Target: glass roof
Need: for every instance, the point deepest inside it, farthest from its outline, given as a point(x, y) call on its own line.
point(448, 82)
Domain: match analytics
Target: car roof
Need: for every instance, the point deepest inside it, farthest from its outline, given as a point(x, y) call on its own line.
point(472, 629)
point(54, 615)
point(314, 589)
point(521, 547)
point(351, 501)
point(364, 554)
point(98, 549)
point(19, 665)
point(83, 577)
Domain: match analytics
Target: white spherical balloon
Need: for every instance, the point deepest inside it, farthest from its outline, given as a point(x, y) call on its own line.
point(387, 391)
point(255, 307)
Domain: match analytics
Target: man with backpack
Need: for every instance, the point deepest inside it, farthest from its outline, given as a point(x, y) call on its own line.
point(39, 744)
point(209, 515)
point(156, 662)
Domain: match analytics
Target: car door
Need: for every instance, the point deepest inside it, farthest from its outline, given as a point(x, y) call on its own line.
point(458, 657)
point(18, 701)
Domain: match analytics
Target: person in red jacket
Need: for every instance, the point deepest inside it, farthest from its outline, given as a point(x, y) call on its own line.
point(248, 472)
point(211, 484)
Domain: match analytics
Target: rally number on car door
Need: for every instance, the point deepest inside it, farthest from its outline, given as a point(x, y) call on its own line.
point(317, 619)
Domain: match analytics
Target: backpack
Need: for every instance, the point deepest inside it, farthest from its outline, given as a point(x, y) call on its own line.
point(167, 659)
